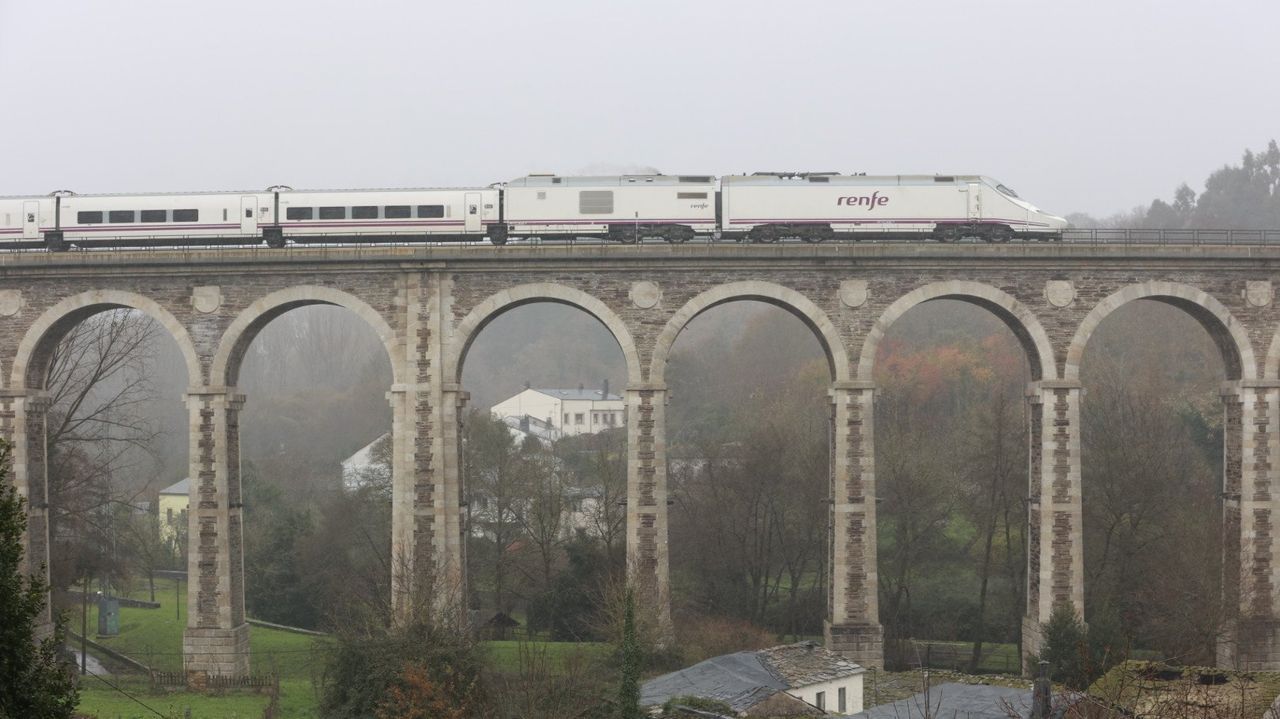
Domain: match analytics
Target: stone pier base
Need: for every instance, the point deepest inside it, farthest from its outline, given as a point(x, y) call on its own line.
point(217, 652)
point(861, 643)
point(1250, 645)
point(1032, 640)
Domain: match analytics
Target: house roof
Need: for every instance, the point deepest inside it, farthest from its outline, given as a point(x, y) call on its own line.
point(744, 679)
point(579, 394)
point(806, 663)
point(740, 680)
point(962, 701)
point(183, 487)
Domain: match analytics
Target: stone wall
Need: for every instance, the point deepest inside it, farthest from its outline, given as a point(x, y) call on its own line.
point(428, 304)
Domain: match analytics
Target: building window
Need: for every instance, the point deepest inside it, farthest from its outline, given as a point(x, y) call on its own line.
point(168, 515)
point(595, 418)
point(577, 418)
point(820, 701)
point(566, 418)
point(840, 703)
point(186, 215)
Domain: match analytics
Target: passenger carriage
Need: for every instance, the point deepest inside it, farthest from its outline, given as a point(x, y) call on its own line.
point(625, 208)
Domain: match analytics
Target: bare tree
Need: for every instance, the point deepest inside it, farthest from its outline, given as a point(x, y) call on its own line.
point(100, 432)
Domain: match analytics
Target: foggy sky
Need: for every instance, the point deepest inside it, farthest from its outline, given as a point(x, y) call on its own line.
point(1081, 106)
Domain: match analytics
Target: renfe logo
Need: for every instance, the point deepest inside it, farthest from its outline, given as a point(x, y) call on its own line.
point(871, 201)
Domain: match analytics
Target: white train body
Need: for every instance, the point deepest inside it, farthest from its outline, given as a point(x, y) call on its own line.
point(889, 204)
point(124, 219)
point(456, 213)
point(625, 208)
point(550, 205)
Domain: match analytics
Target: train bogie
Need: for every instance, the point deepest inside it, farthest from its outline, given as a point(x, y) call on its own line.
point(625, 208)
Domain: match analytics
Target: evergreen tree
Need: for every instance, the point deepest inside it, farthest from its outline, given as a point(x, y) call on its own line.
point(629, 690)
point(33, 682)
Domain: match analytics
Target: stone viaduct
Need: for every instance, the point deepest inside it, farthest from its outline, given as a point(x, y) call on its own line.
point(427, 304)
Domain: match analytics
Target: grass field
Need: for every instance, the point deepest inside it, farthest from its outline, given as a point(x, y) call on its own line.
point(154, 637)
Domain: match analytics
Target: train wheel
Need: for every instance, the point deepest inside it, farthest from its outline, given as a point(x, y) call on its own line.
point(763, 234)
point(274, 237)
point(1000, 234)
point(53, 241)
point(624, 234)
point(677, 234)
point(498, 234)
point(946, 233)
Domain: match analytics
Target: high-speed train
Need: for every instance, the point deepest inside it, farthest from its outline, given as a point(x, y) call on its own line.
point(762, 207)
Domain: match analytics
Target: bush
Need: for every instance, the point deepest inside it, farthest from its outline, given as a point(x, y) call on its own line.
point(703, 637)
point(421, 666)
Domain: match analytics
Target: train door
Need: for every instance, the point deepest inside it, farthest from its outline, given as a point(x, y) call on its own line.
point(975, 201)
point(248, 215)
point(30, 220)
point(472, 210)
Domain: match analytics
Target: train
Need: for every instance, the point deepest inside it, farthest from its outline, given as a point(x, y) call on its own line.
point(761, 207)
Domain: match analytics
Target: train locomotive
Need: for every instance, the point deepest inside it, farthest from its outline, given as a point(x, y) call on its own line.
point(762, 207)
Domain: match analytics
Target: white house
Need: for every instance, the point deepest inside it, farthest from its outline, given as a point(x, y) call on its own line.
point(365, 467)
point(569, 411)
point(173, 502)
point(804, 672)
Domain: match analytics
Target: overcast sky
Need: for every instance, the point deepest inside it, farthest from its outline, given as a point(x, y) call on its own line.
point(1080, 106)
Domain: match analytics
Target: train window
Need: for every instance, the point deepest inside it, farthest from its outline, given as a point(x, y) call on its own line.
point(943, 178)
point(299, 213)
point(120, 216)
point(364, 212)
point(819, 178)
point(88, 218)
point(154, 215)
point(396, 212)
point(333, 213)
point(186, 215)
point(694, 178)
point(430, 210)
point(691, 195)
point(595, 202)
point(1006, 190)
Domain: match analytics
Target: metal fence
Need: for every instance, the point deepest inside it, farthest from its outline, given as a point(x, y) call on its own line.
point(1081, 236)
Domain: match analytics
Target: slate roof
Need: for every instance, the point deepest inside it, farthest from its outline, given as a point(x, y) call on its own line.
point(182, 487)
point(594, 395)
point(744, 679)
point(806, 663)
point(960, 701)
point(740, 680)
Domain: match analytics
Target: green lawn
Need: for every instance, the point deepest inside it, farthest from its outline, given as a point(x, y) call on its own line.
point(154, 637)
point(507, 655)
point(101, 701)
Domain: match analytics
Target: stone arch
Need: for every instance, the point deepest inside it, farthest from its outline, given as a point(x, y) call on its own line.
point(465, 333)
point(1271, 370)
point(1227, 333)
point(31, 360)
point(788, 299)
point(1017, 317)
point(225, 369)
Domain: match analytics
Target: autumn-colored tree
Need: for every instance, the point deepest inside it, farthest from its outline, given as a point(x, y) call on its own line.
point(420, 693)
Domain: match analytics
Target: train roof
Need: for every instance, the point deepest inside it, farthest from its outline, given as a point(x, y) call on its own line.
point(260, 191)
point(778, 178)
point(610, 180)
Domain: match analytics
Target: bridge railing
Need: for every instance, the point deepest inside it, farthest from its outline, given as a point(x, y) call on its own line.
point(1142, 236)
point(1076, 236)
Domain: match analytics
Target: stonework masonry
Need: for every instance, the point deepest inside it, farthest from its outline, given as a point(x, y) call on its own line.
point(427, 304)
